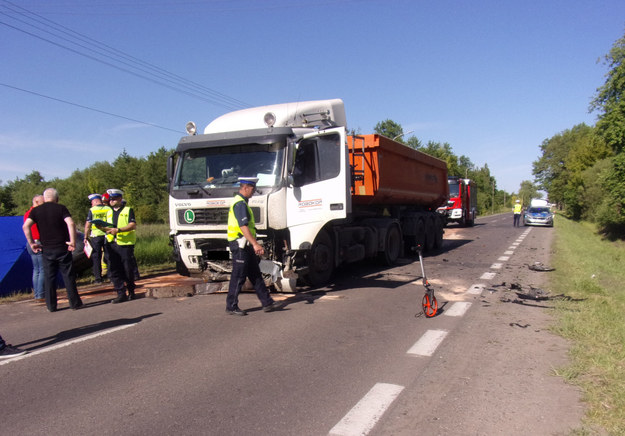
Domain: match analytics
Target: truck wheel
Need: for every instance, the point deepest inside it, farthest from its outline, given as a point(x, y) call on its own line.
point(320, 260)
point(421, 233)
point(440, 231)
point(430, 234)
point(393, 245)
point(182, 269)
point(471, 221)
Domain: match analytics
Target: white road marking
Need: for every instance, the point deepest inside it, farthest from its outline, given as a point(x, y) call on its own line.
point(508, 252)
point(426, 346)
point(496, 266)
point(67, 343)
point(476, 289)
point(458, 309)
point(512, 247)
point(488, 276)
point(504, 258)
point(364, 415)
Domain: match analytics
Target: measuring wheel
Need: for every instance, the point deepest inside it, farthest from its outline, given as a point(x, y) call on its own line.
point(430, 305)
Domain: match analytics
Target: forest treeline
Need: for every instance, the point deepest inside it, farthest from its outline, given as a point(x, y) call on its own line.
point(490, 199)
point(583, 168)
point(143, 180)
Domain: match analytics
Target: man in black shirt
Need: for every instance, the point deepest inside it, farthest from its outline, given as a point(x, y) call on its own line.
point(57, 233)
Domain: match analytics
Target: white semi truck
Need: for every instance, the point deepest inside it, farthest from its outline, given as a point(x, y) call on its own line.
point(323, 198)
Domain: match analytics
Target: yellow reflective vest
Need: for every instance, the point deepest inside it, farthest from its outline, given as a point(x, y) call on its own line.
point(234, 231)
point(517, 208)
point(98, 213)
point(122, 238)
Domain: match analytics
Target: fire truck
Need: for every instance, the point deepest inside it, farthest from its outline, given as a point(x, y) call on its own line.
point(462, 204)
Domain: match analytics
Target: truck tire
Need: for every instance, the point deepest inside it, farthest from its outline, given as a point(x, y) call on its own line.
point(440, 231)
point(393, 244)
point(182, 269)
point(421, 233)
point(471, 220)
point(320, 260)
point(430, 234)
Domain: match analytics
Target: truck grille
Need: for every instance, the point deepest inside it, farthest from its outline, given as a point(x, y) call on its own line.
point(210, 216)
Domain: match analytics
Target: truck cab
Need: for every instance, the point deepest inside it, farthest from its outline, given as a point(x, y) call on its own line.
point(297, 151)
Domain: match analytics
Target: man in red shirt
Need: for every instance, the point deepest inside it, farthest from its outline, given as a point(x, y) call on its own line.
point(38, 273)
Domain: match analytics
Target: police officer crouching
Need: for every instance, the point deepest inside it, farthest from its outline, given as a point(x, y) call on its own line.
point(245, 251)
point(121, 238)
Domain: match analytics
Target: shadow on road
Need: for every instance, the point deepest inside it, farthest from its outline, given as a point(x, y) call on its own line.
point(67, 335)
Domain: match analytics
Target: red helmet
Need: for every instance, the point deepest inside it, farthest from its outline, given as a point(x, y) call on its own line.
point(105, 196)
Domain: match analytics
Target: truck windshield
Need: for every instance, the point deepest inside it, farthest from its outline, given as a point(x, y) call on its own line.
point(222, 166)
point(454, 190)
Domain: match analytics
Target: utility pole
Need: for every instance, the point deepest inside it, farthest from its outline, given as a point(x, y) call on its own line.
point(492, 207)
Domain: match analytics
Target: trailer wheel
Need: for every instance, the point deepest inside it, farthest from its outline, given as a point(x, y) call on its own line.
point(393, 246)
point(430, 234)
point(420, 232)
point(440, 231)
point(320, 260)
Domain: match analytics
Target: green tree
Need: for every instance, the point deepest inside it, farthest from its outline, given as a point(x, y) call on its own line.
point(551, 171)
point(610, 99)
point(487, 193)
point(414, 142)
point(527, 191)
point(610, 102)
point(390, 129)
point(611, 211)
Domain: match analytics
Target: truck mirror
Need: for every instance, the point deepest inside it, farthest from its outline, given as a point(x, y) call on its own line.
point(170, 169)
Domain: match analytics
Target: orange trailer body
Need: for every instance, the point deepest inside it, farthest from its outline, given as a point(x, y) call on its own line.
point(387, 172)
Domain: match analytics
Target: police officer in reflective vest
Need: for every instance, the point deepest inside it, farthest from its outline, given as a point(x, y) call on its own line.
point(121, 238)
point(518, 208)
point(94, 235)
point(245, 251)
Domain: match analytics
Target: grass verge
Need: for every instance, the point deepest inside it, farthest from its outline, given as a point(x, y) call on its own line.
point(590, 271)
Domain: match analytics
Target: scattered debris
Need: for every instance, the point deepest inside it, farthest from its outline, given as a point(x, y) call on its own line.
point(538, 266)
point(516, 324)
point(533, 294)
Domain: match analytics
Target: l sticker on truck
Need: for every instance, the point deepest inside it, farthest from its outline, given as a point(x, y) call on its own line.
point(189, 216)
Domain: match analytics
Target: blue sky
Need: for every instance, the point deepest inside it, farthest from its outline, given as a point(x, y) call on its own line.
point(494, 79)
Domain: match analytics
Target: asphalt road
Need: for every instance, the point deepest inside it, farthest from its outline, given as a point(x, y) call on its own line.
point(343, 359)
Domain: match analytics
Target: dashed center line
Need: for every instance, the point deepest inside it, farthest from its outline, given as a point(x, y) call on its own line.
point(426, 346)
point(364, 415)
point(459, 308)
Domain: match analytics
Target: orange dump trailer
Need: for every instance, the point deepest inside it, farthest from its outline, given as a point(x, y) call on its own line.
point(385, 172)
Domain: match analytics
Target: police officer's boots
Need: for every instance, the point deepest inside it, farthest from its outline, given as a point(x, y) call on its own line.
point(131, 295)
point(121, 297)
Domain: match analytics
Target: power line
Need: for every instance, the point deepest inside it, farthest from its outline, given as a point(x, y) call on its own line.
point(109, 56)
point(89, 108)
